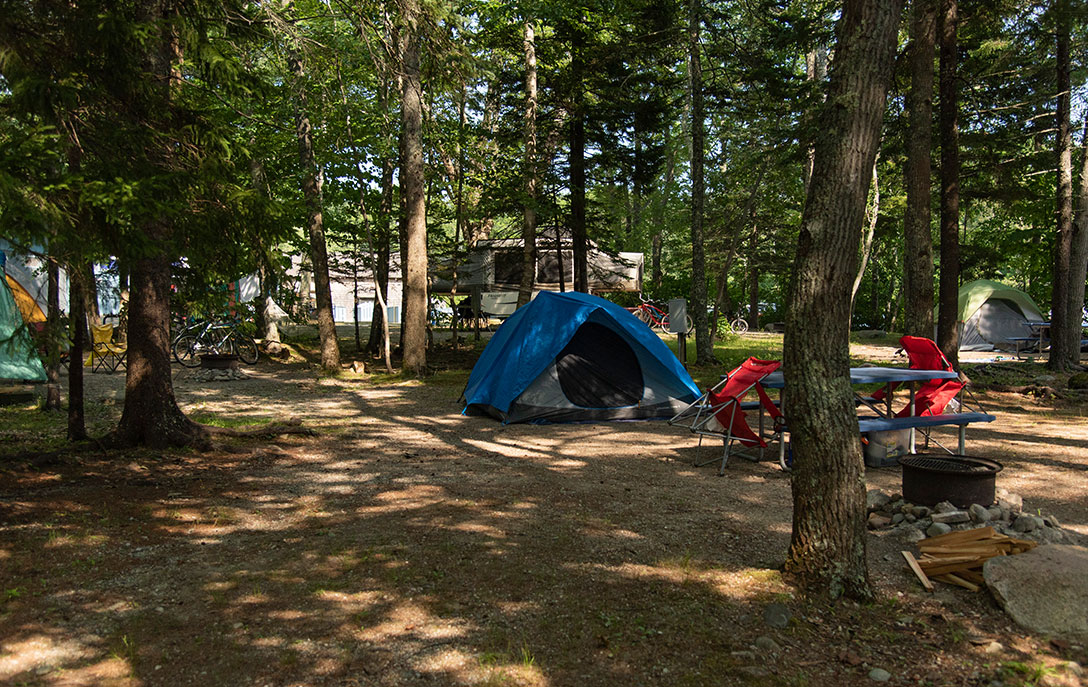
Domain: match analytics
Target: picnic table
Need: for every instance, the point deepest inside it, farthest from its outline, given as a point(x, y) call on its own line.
point(1040, 333)
point(885, 419)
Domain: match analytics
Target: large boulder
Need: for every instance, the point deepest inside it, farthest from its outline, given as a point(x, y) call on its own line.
point(1045, 590)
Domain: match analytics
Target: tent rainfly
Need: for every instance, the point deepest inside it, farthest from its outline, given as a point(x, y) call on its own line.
point(573, 357)
point(992, 313)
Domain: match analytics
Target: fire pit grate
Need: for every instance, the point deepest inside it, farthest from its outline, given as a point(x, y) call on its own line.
point(954, 465)
point(961, 480)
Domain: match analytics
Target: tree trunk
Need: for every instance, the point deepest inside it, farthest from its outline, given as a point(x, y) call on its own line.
point(151, 416)
point(917, 234)
point(827, 550)
point(52, 326)
point(660, 213)
point(378, 342)
point(528, 223)
point(267, 329)
point(1064, 330)
point(638, 194)
point(77, 313)
point(311, 191)
point(578, 167)
point(264, 313)
point(704, 349)
point(414, 322)
point(872, 213)
point(753, 281)
point(815, 70)
point(1078, 261)
point(948, 332)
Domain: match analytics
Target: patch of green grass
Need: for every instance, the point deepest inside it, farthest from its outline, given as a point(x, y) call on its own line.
point(526, 656)
point(448, 378)
point(207, 417)
point(867, 339)
point(124, 649)
point(1032, 674)
point(489, 658)
point(29, 429)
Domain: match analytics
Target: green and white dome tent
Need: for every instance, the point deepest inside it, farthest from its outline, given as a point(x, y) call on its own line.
point(992, 313)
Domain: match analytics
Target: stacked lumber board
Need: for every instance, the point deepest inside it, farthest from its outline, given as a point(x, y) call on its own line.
point(957, 557)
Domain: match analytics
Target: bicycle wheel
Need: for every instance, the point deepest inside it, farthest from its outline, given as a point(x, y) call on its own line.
point(643, 315)
point(187, 349)
point(245, 348)
point(663, 325)
point(739, 326)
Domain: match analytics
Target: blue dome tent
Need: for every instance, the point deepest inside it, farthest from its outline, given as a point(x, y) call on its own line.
point(572, 357)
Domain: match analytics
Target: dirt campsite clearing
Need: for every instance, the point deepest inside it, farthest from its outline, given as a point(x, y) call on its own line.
point(406, 544)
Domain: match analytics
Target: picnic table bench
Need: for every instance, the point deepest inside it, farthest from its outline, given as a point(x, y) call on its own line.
point(882, 424)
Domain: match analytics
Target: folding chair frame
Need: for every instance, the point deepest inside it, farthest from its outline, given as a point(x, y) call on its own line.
point(703, 411)
point(104, 353)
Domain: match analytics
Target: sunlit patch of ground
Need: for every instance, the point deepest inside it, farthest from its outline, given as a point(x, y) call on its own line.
point(407, 544)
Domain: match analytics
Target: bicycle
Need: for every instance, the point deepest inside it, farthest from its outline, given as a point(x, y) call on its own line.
point(654, 316)
point(213, 338)
point(739, 326)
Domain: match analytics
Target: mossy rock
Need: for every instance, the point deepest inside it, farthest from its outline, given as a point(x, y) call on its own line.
point(1079, 381)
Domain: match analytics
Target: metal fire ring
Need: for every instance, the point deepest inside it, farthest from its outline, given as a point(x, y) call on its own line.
point(957, 465)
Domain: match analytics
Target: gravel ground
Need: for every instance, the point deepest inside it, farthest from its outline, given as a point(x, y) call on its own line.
point(408, 544)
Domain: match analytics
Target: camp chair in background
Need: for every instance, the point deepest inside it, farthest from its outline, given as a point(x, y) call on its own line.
point(104, 352)
point(720, 410)
point(935, 396)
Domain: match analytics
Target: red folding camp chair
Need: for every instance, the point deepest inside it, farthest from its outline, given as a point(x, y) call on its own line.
point(720, 410)
point(933, 396)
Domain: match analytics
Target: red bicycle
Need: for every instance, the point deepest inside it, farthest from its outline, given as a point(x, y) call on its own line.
point(654, 316)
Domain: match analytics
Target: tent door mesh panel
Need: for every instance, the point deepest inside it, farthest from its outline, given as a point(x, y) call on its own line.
point(598, 369)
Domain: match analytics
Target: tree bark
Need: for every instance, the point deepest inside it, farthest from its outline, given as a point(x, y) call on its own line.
point(77, 313)
point(948, 332)
point(872, 213)
point(378, 342)
point(528, 222)
point(52, 326)
point(1064, 330)
point(315, 227)
point(578, 166)
point(917, 234)
point(1078, 261)
point(151, 415)
point(753, 281)
point(815, 70)
point(827, 549)
point(414, 322)
point(704, 349)
point(264, 313)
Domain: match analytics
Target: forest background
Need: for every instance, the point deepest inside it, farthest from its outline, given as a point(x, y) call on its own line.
point(196, 141)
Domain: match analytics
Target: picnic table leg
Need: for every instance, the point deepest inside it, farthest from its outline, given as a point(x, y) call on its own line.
point(782, 432)
point(963, 440)
point(913, 450)
point(761, 430)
